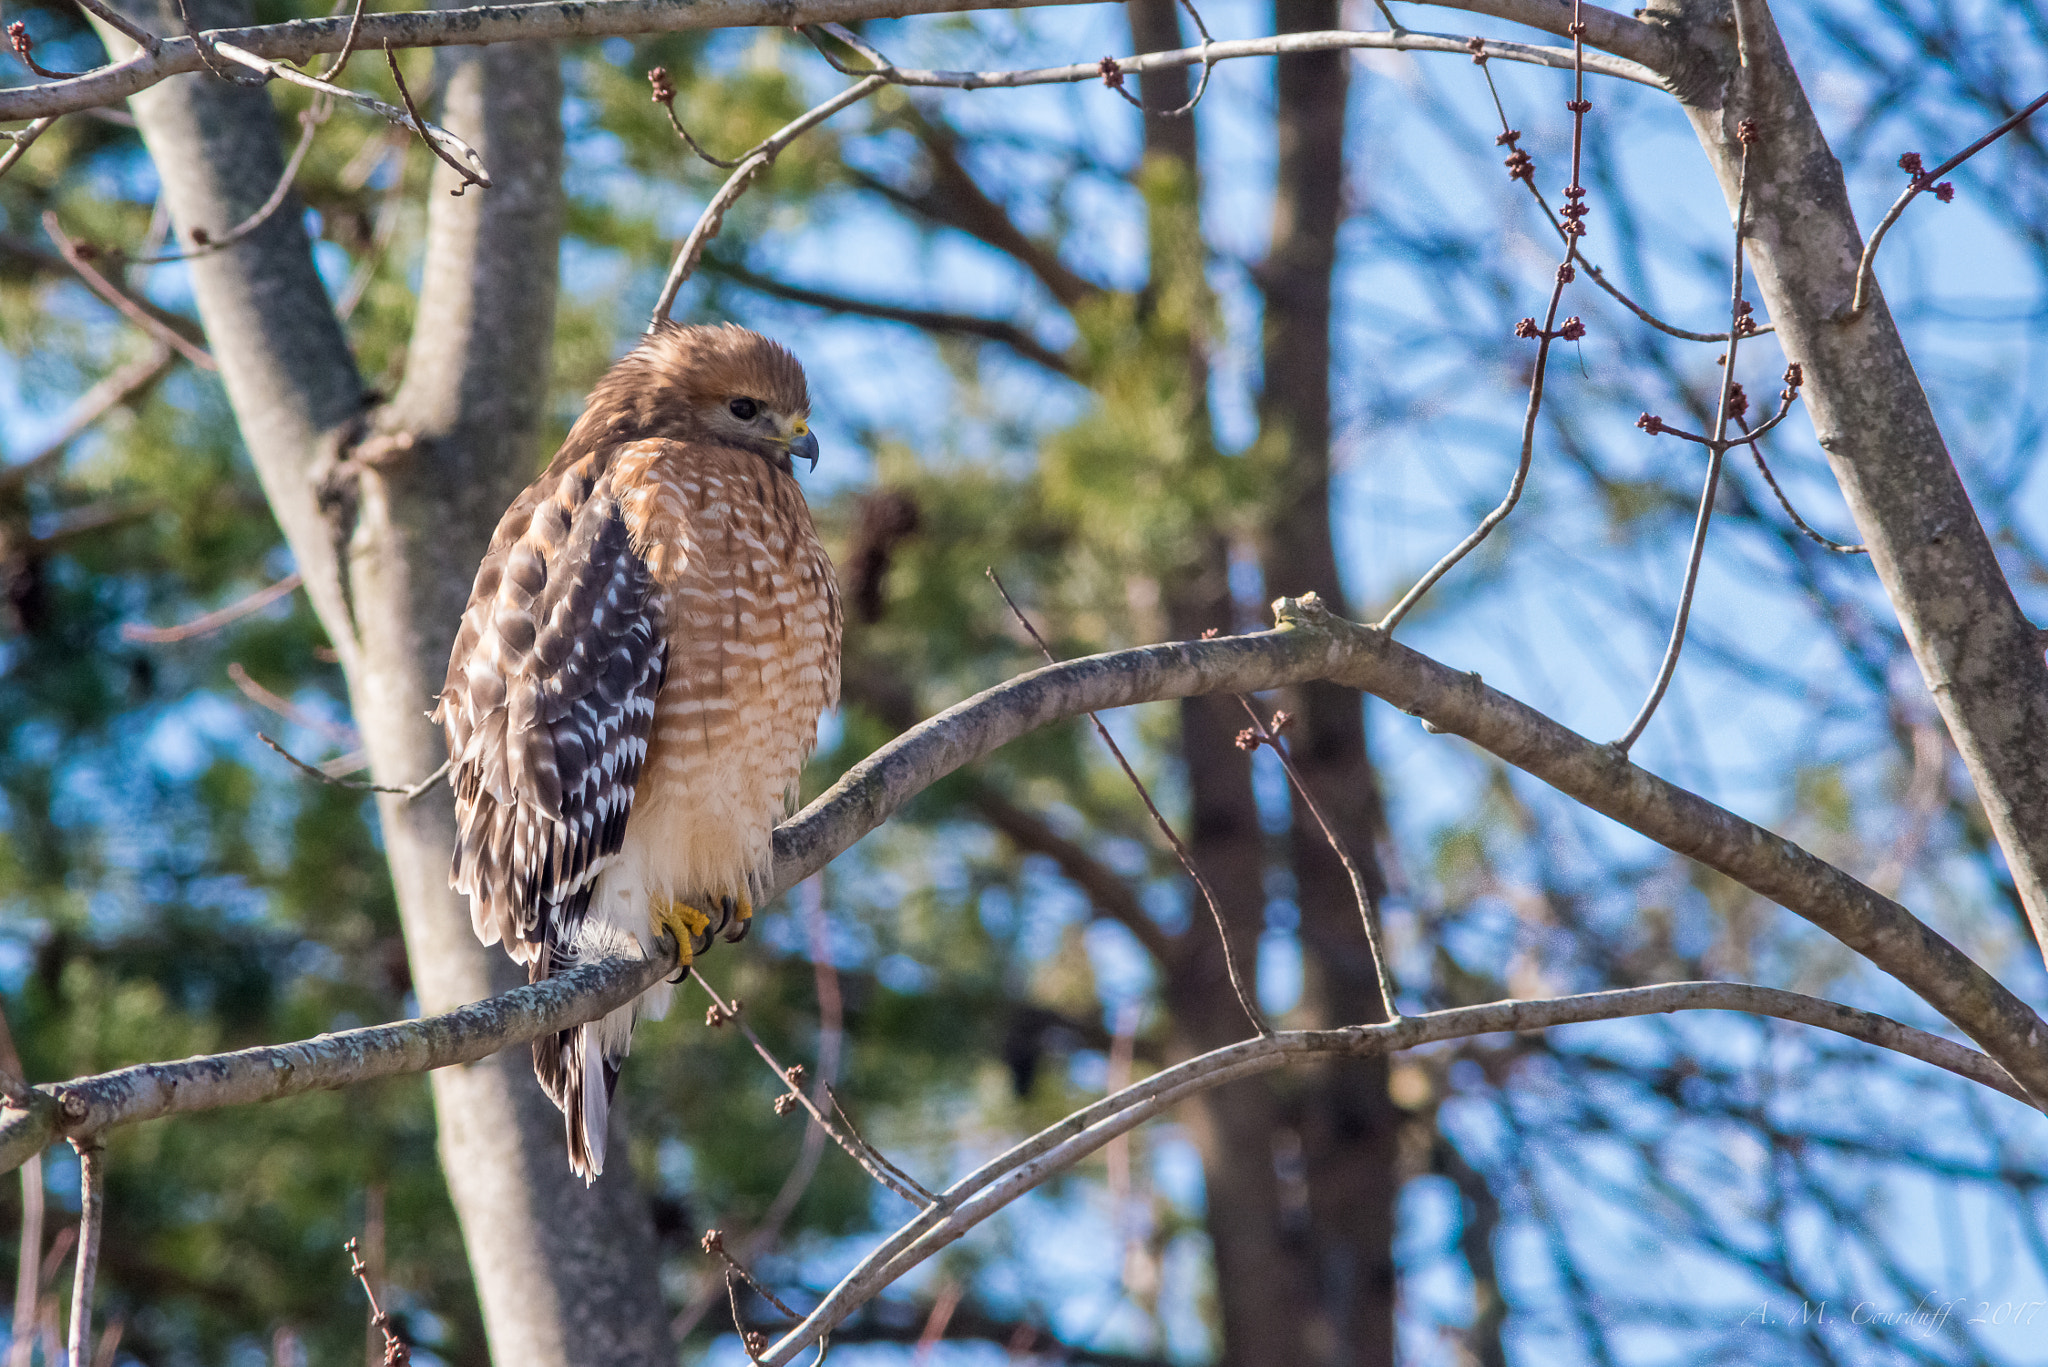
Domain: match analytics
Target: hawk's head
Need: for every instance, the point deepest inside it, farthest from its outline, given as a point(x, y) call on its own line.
point(722, 384)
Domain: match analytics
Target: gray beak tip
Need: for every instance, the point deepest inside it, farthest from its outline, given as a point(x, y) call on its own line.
point(805, 448)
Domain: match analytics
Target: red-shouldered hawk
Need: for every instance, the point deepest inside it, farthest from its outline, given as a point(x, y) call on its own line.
point(637, 681)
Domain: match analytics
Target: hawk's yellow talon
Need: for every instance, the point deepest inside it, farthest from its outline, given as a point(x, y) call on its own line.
point(683, 921)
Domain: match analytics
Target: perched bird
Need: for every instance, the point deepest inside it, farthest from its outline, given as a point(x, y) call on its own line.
point(637, 681)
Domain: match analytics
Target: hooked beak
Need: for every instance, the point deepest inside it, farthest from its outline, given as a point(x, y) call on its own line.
point(804, 446)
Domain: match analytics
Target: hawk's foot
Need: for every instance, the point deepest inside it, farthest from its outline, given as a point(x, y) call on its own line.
point(690, 927)
point(738, 918)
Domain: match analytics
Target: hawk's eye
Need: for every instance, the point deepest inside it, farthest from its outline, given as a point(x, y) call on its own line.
point(743, 409)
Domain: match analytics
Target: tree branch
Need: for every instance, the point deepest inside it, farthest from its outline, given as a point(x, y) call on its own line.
point(987, 1190)
point(147, 1091)
point(485, 24)
point(1312, 644)
point(1309, 644)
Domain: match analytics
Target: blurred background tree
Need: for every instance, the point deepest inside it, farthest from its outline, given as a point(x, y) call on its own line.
point(1155, 371)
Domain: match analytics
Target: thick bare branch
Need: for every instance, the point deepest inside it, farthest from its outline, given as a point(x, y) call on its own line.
point(1312, 644)
point(148, 1091)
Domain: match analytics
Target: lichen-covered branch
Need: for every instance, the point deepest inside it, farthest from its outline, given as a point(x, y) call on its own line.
point(149, 1091)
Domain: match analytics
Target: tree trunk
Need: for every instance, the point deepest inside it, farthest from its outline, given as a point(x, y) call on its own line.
point(1346, 1119)
point(565, 1276)
point(1980, 656)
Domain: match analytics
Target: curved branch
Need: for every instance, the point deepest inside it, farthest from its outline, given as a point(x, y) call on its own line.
point(548, 21)
point(989, 1188)
point(1309, 644)
point(300, 39)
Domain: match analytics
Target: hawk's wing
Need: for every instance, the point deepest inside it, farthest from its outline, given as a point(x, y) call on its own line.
point(548, 704)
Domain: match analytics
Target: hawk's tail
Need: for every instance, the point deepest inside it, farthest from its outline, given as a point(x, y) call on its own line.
point(579, 1076)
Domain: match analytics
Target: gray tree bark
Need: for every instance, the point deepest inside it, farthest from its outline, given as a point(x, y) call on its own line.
point(388, 545)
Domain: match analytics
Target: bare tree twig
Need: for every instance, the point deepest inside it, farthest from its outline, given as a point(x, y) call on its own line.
point(20, 140)
point(1923, 180)
point(213, 621)
point(121, 301)
point(1508, 138)
point(474, 173)
point(409, 793)
point(831, 1036)
point(1756, 453)
point(92, 1212)
point(205, 243)
point(1245, 1000)
point(1281, 45)
point(121, 23)
point(1260, 733)
point(757, 160)
point(1002, 1180)
point(284, 708)
point(443, 143)
point(871, 1159)
point(396, 1351)
point(1572, 229)
point(1717, 451)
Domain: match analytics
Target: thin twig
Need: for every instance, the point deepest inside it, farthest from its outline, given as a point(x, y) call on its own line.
point(205, 243)
point(215, 620)
point(122, 302)
point(397, 1352)
point(1208, 65)
point(1572, 229)
point(1717, 450)
point(831, 1036)
point(209, 54)
point(750, 166)
point(665, 96)
point(1756, 453)
point(24, 48)
point(120, 22)
point(92, 1212)
point(1261, 733)
point(1187, 861)
point(1508, 138)
point(444, 144)
point(410, 793)
point(870, 1159)
point(713, 1243)
point(1924, 180)
point(19, 140)
point(283, 707)
point(474, 173)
